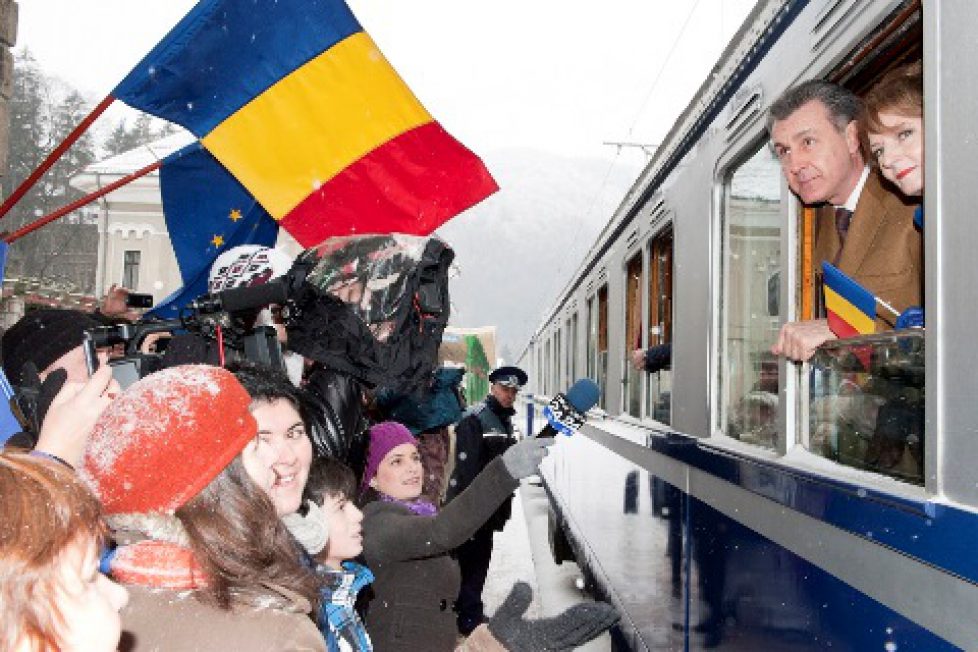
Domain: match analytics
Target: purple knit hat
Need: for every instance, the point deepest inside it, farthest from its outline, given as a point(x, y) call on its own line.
point(383, 437)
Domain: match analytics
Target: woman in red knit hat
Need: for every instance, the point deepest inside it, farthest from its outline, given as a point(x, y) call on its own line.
point(189, 488)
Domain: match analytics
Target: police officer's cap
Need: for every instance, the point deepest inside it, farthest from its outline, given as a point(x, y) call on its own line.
point(508, 377)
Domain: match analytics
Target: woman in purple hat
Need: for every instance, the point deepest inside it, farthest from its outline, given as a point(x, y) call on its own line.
point(407, 539)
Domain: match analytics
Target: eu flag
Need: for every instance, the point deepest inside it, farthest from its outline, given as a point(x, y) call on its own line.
point(207, 212)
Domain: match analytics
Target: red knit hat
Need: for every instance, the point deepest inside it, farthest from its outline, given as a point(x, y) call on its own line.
point(166, 437)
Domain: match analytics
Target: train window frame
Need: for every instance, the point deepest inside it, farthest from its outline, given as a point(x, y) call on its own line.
point(597, 333)
point(733, 159)
point(663, 231)
point(633, 318)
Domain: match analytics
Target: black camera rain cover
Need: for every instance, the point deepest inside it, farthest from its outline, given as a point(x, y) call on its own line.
point(375, 307)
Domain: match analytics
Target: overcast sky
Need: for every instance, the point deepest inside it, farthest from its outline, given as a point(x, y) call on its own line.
point(557, 75)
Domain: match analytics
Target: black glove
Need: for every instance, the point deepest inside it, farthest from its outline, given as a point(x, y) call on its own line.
point(572, 628)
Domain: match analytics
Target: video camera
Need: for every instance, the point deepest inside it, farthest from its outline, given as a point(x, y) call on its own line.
point(223, 317)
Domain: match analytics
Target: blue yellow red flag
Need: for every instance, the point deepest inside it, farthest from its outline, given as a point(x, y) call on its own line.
point(207, 212)
point(306, 113)
point(851, 308)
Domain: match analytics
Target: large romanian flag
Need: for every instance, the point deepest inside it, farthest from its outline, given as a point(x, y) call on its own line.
point(851, 308)
point(297, 103)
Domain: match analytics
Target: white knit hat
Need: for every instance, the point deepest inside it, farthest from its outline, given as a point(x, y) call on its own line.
point(245, 266)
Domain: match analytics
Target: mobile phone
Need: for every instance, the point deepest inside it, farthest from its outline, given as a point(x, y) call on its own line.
point(137, 300)
point(88, 348)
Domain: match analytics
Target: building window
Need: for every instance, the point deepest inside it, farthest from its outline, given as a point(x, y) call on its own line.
point(130, 270)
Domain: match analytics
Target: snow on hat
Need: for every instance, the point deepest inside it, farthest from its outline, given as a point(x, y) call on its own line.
point(41, 337)
point(245, 266)
point(384, 437)
point(166, 437)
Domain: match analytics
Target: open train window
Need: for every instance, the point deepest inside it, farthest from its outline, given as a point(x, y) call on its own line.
point(866, 394)
point(750, 250)
point(658, 389)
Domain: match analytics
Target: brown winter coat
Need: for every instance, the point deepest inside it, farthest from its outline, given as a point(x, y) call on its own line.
point(416, 581)
point(883, 250)
point(158, 620)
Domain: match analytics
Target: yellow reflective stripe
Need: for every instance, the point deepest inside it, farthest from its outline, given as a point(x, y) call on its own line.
point(850, 313)
point(314, 123)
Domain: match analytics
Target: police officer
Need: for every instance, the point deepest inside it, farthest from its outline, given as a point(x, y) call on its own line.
point(483, 433)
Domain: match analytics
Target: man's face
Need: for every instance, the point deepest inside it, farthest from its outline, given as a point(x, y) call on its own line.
point(820, 163)
point(505, 395)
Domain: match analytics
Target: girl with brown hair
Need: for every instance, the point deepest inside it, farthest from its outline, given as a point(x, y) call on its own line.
point(52, 596)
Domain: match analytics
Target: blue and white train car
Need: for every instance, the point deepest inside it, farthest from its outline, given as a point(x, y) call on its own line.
point(738, 501)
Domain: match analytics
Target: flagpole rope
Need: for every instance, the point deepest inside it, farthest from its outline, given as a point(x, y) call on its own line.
point(78, 203)
point(53, 157)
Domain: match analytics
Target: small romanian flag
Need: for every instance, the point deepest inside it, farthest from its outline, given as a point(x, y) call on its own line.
point(296, 101)
point(851, 308)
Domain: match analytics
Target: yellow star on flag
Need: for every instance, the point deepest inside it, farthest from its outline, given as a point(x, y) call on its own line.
point(217, 241)
point(235, 215)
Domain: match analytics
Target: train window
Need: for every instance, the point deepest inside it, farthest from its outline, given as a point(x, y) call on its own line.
point(546, 368)
point(659, 382)
point(867, 403)
point(572, 347)
point(597, 341)
point(558, 359)
point(633, 333)
point(750, 259)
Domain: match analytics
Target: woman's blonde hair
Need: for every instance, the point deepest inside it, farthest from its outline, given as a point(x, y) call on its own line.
point(899, 91)
point(45, 510)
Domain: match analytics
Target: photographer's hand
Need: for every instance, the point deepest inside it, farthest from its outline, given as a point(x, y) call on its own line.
point(72, 414)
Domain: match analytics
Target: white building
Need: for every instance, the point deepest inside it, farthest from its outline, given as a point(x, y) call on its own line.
point(134, 245)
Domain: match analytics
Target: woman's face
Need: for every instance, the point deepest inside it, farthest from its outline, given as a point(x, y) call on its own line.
point(399, 473)
point(89, 600)
point(899, 151)
point(278, 459)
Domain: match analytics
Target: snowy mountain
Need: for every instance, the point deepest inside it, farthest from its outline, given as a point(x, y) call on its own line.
point(518, 248)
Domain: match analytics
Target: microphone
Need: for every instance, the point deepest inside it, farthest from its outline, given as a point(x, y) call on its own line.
point(566, 413)
point(243, 298)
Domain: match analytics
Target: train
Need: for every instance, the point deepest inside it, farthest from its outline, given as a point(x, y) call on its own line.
point(736, 500)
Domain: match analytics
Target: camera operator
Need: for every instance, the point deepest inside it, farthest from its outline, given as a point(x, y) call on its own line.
point(39, 344)
point(240, 267)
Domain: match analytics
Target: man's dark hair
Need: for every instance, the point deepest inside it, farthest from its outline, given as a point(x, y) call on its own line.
point(842, 104)
point(329, 478)
point(265, 383)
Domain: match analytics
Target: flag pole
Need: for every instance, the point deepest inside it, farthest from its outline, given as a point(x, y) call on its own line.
point(78, 203)
point(896, 313)
point(53, 157)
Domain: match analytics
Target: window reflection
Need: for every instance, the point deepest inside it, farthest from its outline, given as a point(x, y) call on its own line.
point(867, 403)
point(750, 314)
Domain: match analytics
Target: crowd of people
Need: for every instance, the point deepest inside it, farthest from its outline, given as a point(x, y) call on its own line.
point(197, 509)
point(206, 506)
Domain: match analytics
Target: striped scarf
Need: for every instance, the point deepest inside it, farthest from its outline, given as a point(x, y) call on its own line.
point(338, 619)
